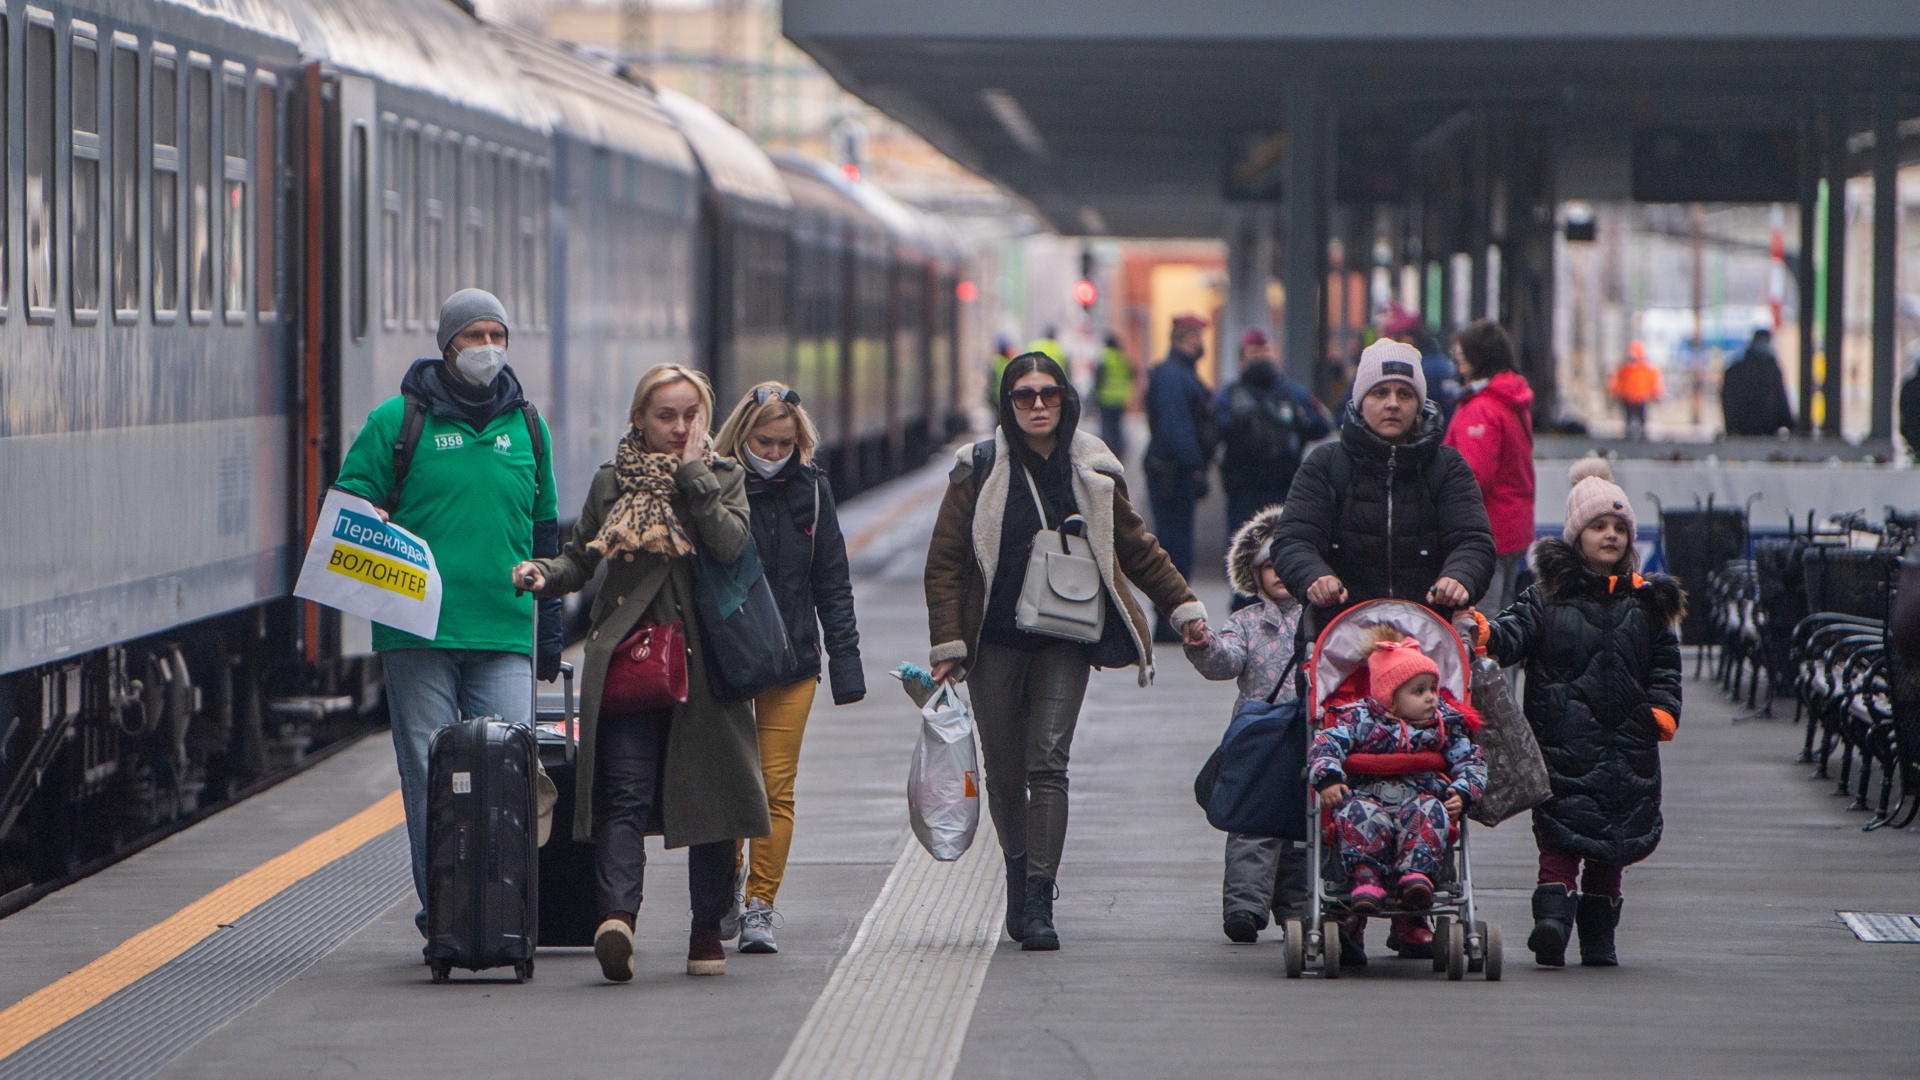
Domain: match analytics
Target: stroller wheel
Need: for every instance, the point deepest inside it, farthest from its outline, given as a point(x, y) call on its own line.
point(1477, 957)
point(1296, 947)
point(1442, 930)
point(1490, 943)
point(1456, 953)
point(1330, 950)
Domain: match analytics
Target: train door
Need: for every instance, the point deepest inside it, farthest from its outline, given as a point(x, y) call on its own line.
point(350, 237)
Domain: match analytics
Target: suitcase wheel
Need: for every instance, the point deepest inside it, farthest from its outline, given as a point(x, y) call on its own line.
point(522, 970)
point(441, 972)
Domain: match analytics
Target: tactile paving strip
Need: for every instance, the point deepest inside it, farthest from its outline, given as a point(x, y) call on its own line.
point(137, 1031)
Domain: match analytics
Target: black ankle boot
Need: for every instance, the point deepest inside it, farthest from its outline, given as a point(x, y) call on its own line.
point(1016, 895)
point(1597, 916)
point(1039, 935)
point(1553, 913)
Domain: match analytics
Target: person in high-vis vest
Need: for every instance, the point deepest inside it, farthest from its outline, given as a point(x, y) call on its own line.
point(1113, 392)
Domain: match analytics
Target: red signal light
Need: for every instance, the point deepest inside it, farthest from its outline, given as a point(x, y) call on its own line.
point(966, 292)
point(1084, 293)
point(851, 171)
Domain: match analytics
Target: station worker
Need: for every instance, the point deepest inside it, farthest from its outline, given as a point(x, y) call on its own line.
point(1182, 436)
point(1113, 392)
point(688, 771)
point(481, 496)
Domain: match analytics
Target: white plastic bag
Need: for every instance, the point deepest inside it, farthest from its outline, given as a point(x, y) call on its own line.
point(943, 787)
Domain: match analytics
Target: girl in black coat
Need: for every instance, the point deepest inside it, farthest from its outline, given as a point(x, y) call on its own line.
point(797, 534)
point(1602, 692)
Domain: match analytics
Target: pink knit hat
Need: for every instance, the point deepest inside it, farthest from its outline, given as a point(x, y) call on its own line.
point(1388, 359)
point(1392, 663)
point(1594, 493)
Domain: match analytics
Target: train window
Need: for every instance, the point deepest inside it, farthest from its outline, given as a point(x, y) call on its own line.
point(166, 186)
point(410, 194)
point(502, 229)
point(357, 181)
point(432, 217)
point(41, 138)
point(126, 178)
point(460, 186)
point(233, 205)
point(538, 260)
point(390, 295)
point(84, 230)
point(6, 170)
point(449, 261)
point(200, 153)
point(266, 153)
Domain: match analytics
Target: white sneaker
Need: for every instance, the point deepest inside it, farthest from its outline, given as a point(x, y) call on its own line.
point(756, 928)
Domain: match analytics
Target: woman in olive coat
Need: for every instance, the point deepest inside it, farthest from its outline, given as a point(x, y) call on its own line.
point(690, 772)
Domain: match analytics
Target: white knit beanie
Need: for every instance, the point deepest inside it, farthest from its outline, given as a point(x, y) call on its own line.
point(1388, 359)
point(1594, 493)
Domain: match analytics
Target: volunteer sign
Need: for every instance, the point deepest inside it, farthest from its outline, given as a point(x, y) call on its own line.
point(371, 568)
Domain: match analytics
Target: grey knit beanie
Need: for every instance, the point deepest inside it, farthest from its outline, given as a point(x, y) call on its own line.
point(463, 309)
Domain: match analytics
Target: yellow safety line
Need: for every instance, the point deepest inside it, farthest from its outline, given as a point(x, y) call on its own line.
point(58, 1002)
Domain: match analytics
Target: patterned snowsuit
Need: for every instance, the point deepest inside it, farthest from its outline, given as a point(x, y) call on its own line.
point(1395, 824)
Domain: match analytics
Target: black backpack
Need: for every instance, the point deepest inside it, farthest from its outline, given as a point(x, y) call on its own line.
point(414, 421)
point(1263, 431)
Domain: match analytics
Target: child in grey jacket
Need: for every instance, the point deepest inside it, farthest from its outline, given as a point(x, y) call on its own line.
point(1263, 874)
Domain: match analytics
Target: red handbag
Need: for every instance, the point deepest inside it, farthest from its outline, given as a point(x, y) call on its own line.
point(648, 670)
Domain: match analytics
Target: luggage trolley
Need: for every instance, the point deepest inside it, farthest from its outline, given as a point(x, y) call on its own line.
point(1337, 672)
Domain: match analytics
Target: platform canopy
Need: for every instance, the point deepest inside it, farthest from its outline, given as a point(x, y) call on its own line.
point(1148, 118)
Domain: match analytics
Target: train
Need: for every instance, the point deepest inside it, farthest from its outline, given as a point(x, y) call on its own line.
point(228, 226)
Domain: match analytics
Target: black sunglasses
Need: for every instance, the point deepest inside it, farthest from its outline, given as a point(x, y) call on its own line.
point(1026, 397)
point(776, 393)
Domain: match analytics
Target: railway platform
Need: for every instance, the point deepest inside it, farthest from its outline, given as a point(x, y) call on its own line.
point(275, 939)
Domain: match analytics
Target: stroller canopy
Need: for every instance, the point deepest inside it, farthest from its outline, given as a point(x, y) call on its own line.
point(1342, 647)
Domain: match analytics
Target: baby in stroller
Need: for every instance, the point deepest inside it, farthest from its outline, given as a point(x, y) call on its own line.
point(1393, 829)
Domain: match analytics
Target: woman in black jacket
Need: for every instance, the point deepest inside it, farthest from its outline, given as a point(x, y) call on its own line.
point(1603, 692)
point(798, 536)
point(1386, 511)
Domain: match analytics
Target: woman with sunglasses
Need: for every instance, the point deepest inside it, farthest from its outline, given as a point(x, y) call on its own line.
point(797, 533)
point(1037, 471)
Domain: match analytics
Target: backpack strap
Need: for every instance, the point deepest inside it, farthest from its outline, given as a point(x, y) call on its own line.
point(983, 452)
point(537, 439)
point(412, 422)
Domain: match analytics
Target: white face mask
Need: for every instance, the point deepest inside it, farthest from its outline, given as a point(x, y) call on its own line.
point(767, 469)
point(480, 364)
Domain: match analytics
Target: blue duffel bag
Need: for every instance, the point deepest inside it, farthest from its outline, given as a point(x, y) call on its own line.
point(1256, 782)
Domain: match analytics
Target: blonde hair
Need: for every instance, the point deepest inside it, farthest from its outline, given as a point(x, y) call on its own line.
point(752, 412)
point(660, 375)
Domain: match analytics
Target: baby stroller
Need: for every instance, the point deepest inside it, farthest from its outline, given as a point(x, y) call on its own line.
point(1337, 673)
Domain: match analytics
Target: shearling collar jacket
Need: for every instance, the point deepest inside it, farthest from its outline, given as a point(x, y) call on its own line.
point(964, 555)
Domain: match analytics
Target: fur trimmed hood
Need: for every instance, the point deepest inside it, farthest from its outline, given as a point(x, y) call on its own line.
point(1249, 541)
point(1563, 573)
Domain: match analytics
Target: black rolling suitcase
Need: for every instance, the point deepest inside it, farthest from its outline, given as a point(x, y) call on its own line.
point(483, 851)
point(567, 915)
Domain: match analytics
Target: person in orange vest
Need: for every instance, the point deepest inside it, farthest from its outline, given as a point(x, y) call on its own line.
point(1635, 384)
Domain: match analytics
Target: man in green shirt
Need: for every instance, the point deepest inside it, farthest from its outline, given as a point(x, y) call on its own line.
point(477, 486)
point(1113, 392)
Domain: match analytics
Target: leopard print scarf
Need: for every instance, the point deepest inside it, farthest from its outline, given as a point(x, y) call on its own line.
point(643, 518)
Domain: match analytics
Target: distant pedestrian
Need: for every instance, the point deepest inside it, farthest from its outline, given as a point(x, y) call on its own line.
point(459, 458)
point(1910, 411)
point(1183, 437)
point(1049, 343)
point(1602, 694)
point(1002, 356)
point(1635, 385)
point(1113, 392)
point(1753, 393)
point(1266, 421)
point(797, 533)
point(1493, 430)
point(1408, 328)
point(1264, 874)
point(1038, 471)
point(690, 771)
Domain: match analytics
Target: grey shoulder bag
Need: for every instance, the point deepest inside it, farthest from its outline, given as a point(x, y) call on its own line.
point(1061, 594)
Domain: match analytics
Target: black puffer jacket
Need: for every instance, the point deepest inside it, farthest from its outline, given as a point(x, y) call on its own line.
point(1339, 515)
point(806, 565)
point(1601, 655)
